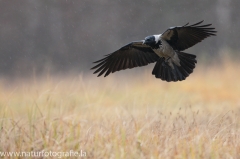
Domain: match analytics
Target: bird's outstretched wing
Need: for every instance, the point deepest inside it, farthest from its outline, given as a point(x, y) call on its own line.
point(134, 54)
point(183, 37)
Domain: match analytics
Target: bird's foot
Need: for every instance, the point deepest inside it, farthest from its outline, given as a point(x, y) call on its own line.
point(167, 59)
point(164, 64)
point(168, 63)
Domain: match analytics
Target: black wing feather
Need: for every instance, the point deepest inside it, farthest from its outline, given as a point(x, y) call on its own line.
point(134, 54)
point(184, 37)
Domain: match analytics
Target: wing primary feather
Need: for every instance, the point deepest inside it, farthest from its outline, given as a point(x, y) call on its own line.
point(116, 66)
point(100, 68)
point(185, 25)
point(111, 67)
point(196, 23)
point(119, 67)
point(98, 65)
point(206, 25)
point(101, 60)
point(105, 68)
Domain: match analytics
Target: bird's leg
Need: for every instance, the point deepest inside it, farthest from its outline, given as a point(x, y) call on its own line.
point(164, 64)
point(169, 61)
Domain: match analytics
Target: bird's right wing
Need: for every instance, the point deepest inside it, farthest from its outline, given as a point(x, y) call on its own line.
point(134, 54)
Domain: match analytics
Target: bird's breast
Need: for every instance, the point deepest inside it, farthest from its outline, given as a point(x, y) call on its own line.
point(164, 52)
point(159, 52)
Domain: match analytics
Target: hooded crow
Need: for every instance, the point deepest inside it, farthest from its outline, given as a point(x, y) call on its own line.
point(165, 49)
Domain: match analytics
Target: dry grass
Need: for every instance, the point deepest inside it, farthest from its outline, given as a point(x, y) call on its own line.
point(132, 117)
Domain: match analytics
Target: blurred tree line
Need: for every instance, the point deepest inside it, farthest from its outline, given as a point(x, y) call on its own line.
point(68, 35)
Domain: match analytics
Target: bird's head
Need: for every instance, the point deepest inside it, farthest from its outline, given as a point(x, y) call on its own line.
point(151, 40)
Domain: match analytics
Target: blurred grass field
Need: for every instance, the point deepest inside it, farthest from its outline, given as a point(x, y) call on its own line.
point(125, 116)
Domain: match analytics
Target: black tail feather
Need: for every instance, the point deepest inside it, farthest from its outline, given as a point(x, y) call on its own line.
point(163, 71)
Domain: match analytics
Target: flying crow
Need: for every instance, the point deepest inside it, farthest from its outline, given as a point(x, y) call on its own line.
point(165, 49)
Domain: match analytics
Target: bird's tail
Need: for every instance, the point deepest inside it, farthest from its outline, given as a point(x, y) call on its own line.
point(163, 71)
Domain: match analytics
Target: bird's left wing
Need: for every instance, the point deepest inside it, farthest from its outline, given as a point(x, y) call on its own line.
point(183, 37)
point(134, 54)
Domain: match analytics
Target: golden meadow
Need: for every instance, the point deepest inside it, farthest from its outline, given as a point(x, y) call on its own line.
point(125, 116)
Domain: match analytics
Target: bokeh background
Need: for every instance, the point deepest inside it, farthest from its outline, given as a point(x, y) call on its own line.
point(62, 36)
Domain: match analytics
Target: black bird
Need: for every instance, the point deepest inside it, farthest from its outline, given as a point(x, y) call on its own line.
point(165, 49)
